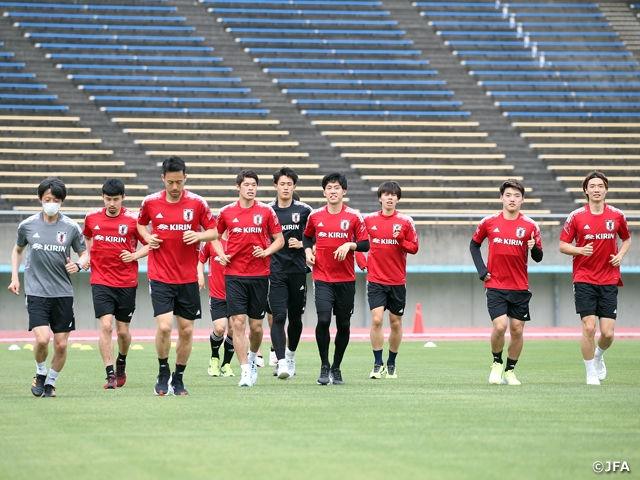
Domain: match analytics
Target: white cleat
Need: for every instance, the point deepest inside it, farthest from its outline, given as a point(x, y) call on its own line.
point(273, 359)
point(283, 371)
point(253, 372)
point(260, 361)
point(291, 366)
point(592, 379)
point(245, 379)
point(601, 368)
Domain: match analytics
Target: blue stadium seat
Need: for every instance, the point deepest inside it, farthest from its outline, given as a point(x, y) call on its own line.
point(325, 41)
point(110, 98)
point(7, 54)
point(386, 113)
point(519, 15)
point(263, 11)
point(139, 58)
point(34, 86)
point(567, 104)
point(141, 8)
point(298, 2)
point(341, 61)
point(335, 51)
point(534, 63)
point(367, 92)
point(358, 82)
point(308, 31)
point(33, 107)
point(16, 96)
point(549, 33)
point(138, 88)
point(90, 26)
point(307, 22)
point(151, 78)
point(571, 114)
point(12, 65)
point(554, 73)
point(527, 53)
point(540, 43)
point(241, 111)
point(344, 101)
point(561, 84)
point(68, 16)
point(505, 24)
point(141, 38)
point(516, 93)
point(511, 5)
point(89, 46)
point(171, 68)
point(17, 75)
point(350, 72)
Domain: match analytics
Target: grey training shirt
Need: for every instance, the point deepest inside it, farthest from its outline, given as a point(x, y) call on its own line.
point(49, 246)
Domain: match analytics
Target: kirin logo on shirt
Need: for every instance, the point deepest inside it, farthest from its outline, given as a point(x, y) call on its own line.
point(610, 225)
point(257, 219)
point(295, 217)
point(123, 229)
point(344, 224)
point(61, 237)
point(520, 231)
point(187, 214)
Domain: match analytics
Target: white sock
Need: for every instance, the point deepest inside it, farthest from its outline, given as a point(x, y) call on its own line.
point(289, 354)
point(41, 368)
point(599, 352)
point(590, 365)
point(52, 377)
point(252, 356)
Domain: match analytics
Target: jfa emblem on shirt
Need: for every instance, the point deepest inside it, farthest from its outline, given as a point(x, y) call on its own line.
point(610, 225)
point(123, 229)
point(295, 217)
point(187, 214)
point(397, 227)
point(257, 219)
point(344, 224)
point(61, 236)
point(520, 231)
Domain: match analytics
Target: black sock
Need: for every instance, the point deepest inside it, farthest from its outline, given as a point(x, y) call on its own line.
point(497, 357)
point(272, 349)
point(121, 358)
point(511, 364)
point(215, 344)
point(342, 339)
point(323, 337)
point(164, 364)
point(228, 350)
point(109, 370)
point(180, 370)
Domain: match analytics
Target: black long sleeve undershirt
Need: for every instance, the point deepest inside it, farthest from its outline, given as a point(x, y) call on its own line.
point(361, 246)
point(476, 255)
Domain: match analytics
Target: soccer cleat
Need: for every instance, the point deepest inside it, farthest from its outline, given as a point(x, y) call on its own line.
point(176, 386)
point(121, 374)
point(275, 371)
point(162, 384)
point(391, 371)
point(336, 376)
point(592, 379)
point(601, 368)
point(226, 371)
point(214, 367)
point(378, 371)
point(245, 379)
point(111, 383)
point(495, 377)
point(37, 387)
point(291, 366)
point(273, 359)
point(254, 372)
point(260, 361)
point(323, 379)
point(49, 391)
point(509, 378)
point(283, 371)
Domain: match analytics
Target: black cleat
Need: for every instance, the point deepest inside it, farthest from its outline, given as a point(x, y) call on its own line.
point(336, 376)
point(176, 386)
point(323, 379)
point(162, 385)
point(121, 374)
point(49, 391)
point(275, 371)
point(37, 387)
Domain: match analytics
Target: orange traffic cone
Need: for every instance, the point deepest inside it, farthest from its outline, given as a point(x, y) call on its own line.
point(418, 327)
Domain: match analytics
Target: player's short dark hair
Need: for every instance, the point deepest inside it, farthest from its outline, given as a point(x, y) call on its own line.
point(173, 164)
point(334, 177)
point(113, 187)
point(512, 183)
point(285, 172)
point(58, 189)
point(591, 176)
point(246, 174)
point(391, 187)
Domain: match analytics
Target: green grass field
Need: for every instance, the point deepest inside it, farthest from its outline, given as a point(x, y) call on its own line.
point(439, 419)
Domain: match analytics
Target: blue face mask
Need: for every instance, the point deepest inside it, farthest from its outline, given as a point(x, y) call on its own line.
point(51, 208)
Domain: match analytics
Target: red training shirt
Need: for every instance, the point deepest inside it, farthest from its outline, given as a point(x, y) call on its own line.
point(585, 227)
point(248, 227)
point(331, 231)
point(216, 270)
point(508, 250)
point(112, 235)
point(174, 261)
point(387, 259)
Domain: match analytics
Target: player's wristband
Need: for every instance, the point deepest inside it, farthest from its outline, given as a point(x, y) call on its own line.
point(79, 266)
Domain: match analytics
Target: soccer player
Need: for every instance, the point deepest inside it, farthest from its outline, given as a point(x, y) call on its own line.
point(250, 225)
point(50, 236)
point(512, 236)
point(218, 310)
point(177, 217)
point(338, 230)
point(596, 269)
point(391, 235)
point(112, 237)
point(288, 279)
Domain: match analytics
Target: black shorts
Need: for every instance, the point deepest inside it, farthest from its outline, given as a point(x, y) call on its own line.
point(334, 296)
point(247, 296)
point(55, 313)
point(183, 299)
point(391, 297)
point(598, 300)
point(218, 308)
point(513, 303)
point(287, 294)
point(119, 302)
